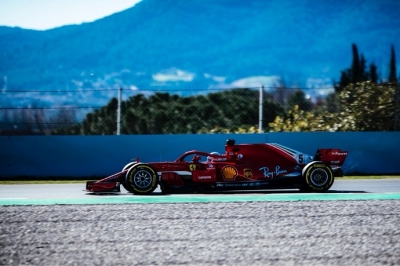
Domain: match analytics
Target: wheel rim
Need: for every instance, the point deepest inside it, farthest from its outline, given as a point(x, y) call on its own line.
point(142, 179)
point(319, 177)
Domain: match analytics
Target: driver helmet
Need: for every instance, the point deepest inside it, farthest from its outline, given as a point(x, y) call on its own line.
point(209, 158)
point(196, 159)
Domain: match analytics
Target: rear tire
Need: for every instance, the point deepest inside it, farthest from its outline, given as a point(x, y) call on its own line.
point(318, 177)
point(141, 179)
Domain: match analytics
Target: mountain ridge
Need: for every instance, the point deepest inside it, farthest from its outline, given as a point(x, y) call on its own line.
point(203, 44)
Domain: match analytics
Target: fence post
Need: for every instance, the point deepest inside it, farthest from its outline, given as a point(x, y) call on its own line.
point(396, 105)
point(119, 112)
point(260, 110)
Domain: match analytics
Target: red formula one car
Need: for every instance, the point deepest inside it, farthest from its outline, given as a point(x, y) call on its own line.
point(242, 166)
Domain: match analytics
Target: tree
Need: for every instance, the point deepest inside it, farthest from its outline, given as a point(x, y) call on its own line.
point(372, 106)
point(373, 75)
point(365, 106)
point(344, 81)
point(355, 66)
point(296, 120)
point(392, 68)
point(226, 111)
point(299, 98)
point(356, 73)
point(101, 121)
point(363, 76)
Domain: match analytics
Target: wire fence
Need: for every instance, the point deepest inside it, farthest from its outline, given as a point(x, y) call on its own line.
point(126, 111)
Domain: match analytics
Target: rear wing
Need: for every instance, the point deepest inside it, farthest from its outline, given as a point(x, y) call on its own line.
point(332, 157)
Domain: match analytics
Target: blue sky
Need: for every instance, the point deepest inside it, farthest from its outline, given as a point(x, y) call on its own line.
point(47, 14)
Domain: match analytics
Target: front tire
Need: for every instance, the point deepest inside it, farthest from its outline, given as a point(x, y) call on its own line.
point(125, 185)
point(141, 179)
point(318, 177)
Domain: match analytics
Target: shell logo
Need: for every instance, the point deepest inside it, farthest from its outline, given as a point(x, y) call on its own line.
point(229, 172)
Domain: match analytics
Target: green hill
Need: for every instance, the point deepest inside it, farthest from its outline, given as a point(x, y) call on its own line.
point(200, 44)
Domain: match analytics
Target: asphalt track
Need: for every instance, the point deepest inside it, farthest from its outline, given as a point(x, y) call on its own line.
point(50, 194)
point(355, 223)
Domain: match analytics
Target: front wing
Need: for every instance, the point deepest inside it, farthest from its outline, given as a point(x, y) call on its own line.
point(106, 185)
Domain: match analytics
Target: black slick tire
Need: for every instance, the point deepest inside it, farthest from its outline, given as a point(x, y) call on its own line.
point(141, 179)
point(125, 185)
point(317, 177)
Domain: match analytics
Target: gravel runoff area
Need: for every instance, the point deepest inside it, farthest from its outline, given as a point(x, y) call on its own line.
point(237, 233)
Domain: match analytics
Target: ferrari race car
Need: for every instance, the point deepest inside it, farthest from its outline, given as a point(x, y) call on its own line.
point(241, 167)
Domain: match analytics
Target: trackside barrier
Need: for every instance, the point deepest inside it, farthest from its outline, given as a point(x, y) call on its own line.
point(98, 156)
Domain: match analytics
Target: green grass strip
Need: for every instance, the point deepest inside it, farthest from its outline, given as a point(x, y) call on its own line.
point(197, 198)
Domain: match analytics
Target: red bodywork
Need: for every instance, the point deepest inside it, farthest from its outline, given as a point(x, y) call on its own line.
point(242, 166)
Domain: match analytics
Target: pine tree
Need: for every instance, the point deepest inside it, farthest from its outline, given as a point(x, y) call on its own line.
point(373, 75)
point(344, 81)
point(357, 72)
point(355, 67)
point(353, 74)
point(363, 75)
point(392, 73)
